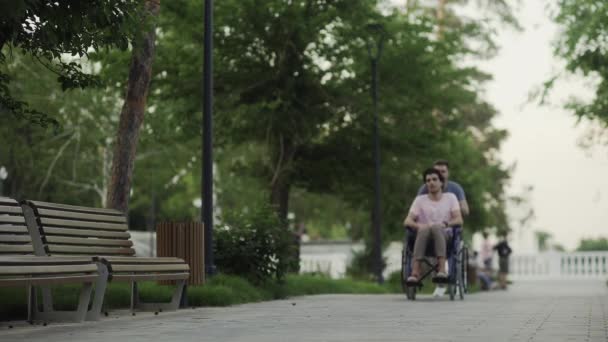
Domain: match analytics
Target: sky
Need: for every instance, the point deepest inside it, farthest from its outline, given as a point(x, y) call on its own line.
point(569, 196)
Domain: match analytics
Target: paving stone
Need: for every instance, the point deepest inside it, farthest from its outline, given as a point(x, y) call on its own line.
point(527, 312)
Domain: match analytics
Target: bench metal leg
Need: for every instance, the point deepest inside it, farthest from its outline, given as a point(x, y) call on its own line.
point(78, 315)
point(134, 296)
point(137, 304)
point(47, 298)
point(100, 289)
point(31, 303)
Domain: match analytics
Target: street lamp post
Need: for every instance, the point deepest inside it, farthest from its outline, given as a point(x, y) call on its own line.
point(207, 157)
point(374, 49)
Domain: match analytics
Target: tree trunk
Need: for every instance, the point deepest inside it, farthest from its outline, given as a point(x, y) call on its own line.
point(280, 184)
point(132, 116)
point(279, 196)
point(441, 7)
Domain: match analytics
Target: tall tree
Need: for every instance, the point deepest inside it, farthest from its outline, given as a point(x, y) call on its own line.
point(132, 114)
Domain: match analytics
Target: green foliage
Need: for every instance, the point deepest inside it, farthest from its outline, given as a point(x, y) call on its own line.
point(48, 31)
point(254, 245)
point(14, 303)
point(542, 239)
point(590, 245)
point(582, 45)
point(362, 264)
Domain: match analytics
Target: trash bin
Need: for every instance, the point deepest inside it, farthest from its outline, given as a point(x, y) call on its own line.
point(183, 240)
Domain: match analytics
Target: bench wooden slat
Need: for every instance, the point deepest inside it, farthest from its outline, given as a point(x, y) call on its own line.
point(12, 219)
point(141, 277)
point(140, 260)
point(80, 216)
point(87, 242)
point(73, 231)
point(47, 269)
point(8, 201)
point(11, 229)
point(8, 249)
point(11, 260)
point(20, 281)
point(45, 221)
point(66, 249)
point(15, 238)
point(150, 268)
point(46, 205)
point(10, 210)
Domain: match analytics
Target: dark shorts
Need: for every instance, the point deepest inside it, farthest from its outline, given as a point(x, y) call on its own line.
point(503, 265)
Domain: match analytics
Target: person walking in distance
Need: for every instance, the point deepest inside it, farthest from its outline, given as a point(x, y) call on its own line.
point(504, 251)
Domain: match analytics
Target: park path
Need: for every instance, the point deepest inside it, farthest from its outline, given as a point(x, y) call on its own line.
point(528, 311)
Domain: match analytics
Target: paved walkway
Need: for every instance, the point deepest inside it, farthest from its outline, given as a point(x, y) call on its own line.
point(529, 311)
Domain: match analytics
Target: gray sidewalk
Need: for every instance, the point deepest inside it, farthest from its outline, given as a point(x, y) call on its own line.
point(528, 311)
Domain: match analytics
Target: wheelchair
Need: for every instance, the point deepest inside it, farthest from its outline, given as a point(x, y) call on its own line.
point(457, 258)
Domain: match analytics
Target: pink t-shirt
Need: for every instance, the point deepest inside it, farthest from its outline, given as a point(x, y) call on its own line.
point(427, 211)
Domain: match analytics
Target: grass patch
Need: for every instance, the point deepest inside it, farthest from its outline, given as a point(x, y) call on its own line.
point(14, 303)
point(223, 290)
point(298, 285)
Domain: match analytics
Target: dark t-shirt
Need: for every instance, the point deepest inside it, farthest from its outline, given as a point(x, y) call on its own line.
point(503, 249)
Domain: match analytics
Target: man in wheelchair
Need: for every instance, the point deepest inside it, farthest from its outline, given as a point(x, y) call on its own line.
point(429, 216)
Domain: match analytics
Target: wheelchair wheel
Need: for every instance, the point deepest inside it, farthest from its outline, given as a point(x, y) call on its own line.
point(462, 272)
point(404, 262)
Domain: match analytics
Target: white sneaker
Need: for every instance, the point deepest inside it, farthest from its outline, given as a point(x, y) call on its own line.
point(439, 291)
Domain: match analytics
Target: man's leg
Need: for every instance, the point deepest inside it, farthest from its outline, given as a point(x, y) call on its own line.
point(440, 246)
point(422, 237)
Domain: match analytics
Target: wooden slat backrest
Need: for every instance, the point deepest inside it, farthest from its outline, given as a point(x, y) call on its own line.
point(77, 230)
point(14, 236)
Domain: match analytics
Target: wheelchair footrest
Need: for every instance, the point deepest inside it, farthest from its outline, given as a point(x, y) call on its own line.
point(412, 283)
point(441, 280)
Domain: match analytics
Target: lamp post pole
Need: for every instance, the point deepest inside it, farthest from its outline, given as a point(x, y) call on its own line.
point(207, 157)
point(375, 51)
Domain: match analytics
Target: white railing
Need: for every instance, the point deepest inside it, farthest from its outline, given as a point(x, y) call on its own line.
point(560, 265)
point(333, 259)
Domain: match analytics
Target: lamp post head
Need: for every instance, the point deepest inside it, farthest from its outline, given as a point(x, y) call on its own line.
point(375, 40)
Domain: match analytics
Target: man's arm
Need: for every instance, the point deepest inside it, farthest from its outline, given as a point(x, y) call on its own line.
point(464, 207)
point(462, 198)
point(410, 221)
point(455, 218)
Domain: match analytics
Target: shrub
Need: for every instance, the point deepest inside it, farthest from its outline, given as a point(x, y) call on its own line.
point(361, 265)
point(254, 245)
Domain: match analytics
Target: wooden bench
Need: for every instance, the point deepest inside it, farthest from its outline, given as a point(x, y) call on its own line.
point(102, 234)
point(19, 267)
